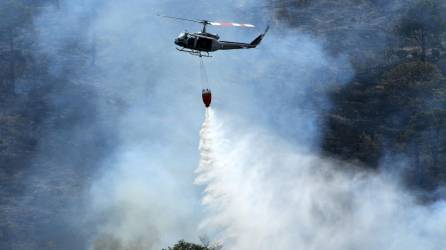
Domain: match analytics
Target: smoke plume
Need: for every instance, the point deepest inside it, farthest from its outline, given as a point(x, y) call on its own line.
point(263, 193)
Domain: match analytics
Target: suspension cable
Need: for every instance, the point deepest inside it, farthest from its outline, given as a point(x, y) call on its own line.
point(203, 74)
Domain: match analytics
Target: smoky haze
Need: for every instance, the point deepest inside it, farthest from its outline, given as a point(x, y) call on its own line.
point(264, 193)
point(126, 167)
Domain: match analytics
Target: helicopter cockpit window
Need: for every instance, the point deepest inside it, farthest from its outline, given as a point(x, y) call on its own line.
point(182, 36)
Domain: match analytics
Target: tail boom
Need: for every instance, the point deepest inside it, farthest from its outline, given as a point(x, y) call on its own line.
point(234, 45)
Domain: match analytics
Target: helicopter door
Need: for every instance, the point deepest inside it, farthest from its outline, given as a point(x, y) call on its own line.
point(204, 44)
point(190, 42)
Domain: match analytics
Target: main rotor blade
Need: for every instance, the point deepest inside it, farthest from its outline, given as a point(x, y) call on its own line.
point(182, 19)
point(224, 24)
point(228, 24)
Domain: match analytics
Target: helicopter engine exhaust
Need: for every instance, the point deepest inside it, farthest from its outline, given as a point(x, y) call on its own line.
point(207, 97)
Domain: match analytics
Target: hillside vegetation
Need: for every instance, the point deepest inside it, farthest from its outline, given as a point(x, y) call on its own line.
point(391, 115)
point(394, 109)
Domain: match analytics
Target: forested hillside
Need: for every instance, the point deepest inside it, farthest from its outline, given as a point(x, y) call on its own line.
point(40, 112)
point(391, 114)
point(394, 109)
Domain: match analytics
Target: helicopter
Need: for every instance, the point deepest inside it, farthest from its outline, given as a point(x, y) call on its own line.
point(201, 43)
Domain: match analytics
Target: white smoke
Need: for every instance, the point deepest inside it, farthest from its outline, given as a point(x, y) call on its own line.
point(263, 193)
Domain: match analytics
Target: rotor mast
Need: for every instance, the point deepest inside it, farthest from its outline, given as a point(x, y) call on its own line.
point(204, 22)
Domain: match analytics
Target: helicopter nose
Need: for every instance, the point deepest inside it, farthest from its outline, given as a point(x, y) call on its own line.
point(177, 42)
point(180, 42)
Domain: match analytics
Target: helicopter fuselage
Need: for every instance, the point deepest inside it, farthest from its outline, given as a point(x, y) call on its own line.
point(196, 43)
point(204, 42)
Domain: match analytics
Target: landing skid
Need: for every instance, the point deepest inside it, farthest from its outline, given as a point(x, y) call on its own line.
point(195, 52)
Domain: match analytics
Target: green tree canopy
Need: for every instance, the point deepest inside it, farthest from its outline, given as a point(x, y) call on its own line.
point(183, 245)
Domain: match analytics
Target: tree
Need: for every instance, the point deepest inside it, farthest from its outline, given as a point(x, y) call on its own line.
point(183, 245)
point(410, 74)
point(423, 24)
point(415, 93)
point(402, 114)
